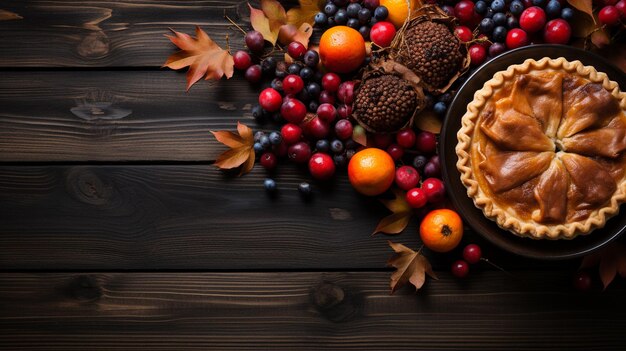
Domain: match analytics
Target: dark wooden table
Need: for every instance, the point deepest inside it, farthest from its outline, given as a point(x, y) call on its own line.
point(116, 232)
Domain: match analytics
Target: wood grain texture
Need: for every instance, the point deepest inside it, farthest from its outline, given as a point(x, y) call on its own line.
point(117, 116)
point(110, 33)
point(305, 311)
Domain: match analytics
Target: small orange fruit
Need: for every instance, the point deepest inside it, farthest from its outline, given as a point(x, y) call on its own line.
point(441, 230)
point(398, 10)
point(342, 49)
point(371, 171)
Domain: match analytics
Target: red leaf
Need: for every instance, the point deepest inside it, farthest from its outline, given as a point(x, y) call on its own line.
point(399, 219)
point(202, 55)
point(410, 267)
point(241, 152)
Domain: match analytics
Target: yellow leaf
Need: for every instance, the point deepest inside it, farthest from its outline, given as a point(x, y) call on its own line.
point(410, 267)
point(202, 55)
point(305, 13)
point(261, 24)
point(241, 152)
point(399, 219)
point(269, 19)
point(289, 33)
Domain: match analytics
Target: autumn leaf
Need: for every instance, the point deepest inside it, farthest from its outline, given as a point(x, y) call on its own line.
point(583, 6)
point(410, 267)
point(272, 22)
point(9, 16)
point(305, 13)
point(241, 151)
point(202, 55)
point(428, 121)
point(399, 219)
point(610, 260)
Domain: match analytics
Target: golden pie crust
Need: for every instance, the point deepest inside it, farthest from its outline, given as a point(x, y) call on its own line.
point(542, 149)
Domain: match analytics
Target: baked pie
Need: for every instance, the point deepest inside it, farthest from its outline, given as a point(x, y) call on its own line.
point(542, 149)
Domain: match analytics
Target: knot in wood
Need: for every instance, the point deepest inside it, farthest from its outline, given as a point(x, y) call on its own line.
point(87, 187)
point(95, 45)
point(334, 303)
point(86, 288)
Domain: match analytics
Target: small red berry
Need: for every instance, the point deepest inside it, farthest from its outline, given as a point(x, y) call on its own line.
point(463, 33)
point(242, 60)
point(344, 111)
point(317, 128)
point(253, 74)
point(299, 152)
point(407, 177)
point(345, 93)
point(464, 10)
point(321, 166)
point(270, 100)
point(291, 133)
point(557, 31)
point(609, 15)
point(435, 189)
point(268, 161)
point(532, 19)
point(326, 97)
point(621, 7)
point(331, 82)
point(395, 151)
point(281, 149)
point(426, 142)
point(293, 84)
point(478, 54)
point(582, 281)
point(327, 112)
point(296, 50)
point(472, 253)
point(293, 110)
point(382, 33)
point(406, 138)
point(416, 198)
point(460, 269)
point(516, 38)
point(255, 41)
point(382, 141)
point(343, 129)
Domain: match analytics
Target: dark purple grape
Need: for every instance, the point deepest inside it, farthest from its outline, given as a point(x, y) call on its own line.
point(254, 41)
point(253, 74)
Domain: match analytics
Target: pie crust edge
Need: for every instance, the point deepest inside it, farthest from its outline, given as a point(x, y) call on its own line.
point(491, 210)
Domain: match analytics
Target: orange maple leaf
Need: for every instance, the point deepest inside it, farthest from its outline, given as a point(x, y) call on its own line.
point(399, 219)
point(410, 267)
point(611, 260)
point(241, 151)
point(305, 13)
point(202, 55)
point(273, 23)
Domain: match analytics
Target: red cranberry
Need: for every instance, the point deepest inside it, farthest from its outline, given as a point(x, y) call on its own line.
point(293, 84)
point(268, 161)
point(609, 15)
point(321, 166)
point(299, 152)
point(326, 97)
point(327, 112)
point(343, 129)
point(242, 60)
point(532, 19)
point(557, 31)
point(464, 10)
point(406, 138)
point(382, 33)
point(460, 269)
point(407, 177)
point(435, 190)
point(516, 38)
point(382, 141)
point(395, 151)
point(583, 281)
point(296, 50)
point(621, 7)
point(291, 133)
point(281, 149)
point(426, 142)
point(330, 82)
point(463, 33)
point(344, 111)
point(472, 253)
point(416, 198)
point(270, 100)
point(293, 110)
point(345, 93)
point(317, 128)
point(478, 54)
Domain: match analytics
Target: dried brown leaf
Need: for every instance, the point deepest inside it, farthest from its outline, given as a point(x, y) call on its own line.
point(9, 16)
point(610, 260)
point(288, 33)
point(241, 152)
point(410, 267)
point(269, 20)
point(600, 38)
point(202, 55)
point(399, 219)
point(305, 13)
point(427, 120)
point(585, 6)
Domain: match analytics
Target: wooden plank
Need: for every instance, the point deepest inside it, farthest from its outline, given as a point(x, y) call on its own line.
point(193, 217)
point(117, 116)
point(305, 311)
point(75, 33)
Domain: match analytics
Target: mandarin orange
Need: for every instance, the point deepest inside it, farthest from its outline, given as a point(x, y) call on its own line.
point(399, 10)
point(371, 171)
point(342, 49)
point(441, 230)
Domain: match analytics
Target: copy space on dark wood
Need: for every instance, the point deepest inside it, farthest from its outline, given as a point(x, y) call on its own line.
point(304, 311)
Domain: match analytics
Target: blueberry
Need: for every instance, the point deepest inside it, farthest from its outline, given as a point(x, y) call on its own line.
point(499, 19)
point(313, 105)
point(259, 115)
point(353, 23)
point(318, 76)
point(567, 14)
point(331, 22)
point(440, 108)
point(265, 141)
point(341, 17)
point(499, 34)
point(381, 13)
point(553, 8)
point(336, 146)
point(311, 58)
point(330, 9)
point(303, 96)
point(446, 98)
point(496, 49)
point(350, 153)
point(353, 10)
point(350, 144)
point(480, 7)
point(364, 16)
point(258, 148)
point(275, 138)
point(489, 13)
point(486, 25)
point(512, 22)
point(277, 84)
point(320, 18)
point(419, 162)
point(340, 160)
point(259, 134)
point(365, 32)
point(294, 68)
point(498, 5)
point(278, 118)
point(270, 185)
point(304, 188)
point(516, 7)
point(313, 89)
point(322, 145)
point(306, 73)
point(540, 3)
